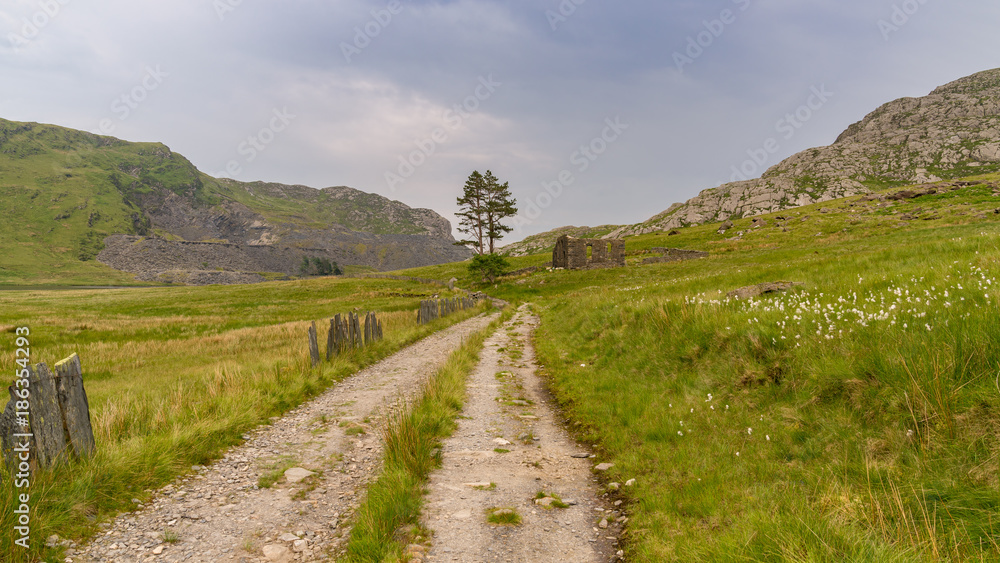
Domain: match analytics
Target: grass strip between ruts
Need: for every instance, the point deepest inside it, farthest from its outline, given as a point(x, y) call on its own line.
point(411, 453)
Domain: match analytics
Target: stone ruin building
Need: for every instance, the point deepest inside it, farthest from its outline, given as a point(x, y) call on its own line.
point(582, 253)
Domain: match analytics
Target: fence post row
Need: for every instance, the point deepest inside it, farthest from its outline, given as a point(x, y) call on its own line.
point(346, 333)
point(434, 309)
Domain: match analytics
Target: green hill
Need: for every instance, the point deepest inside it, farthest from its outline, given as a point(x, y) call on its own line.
point(66, 191)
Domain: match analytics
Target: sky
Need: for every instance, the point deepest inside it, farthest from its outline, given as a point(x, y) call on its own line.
point(595, 112)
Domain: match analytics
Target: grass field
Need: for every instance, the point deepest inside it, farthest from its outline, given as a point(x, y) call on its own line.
point(855, 418)
point(176, 375)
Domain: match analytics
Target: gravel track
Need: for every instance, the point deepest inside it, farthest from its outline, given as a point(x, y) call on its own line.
point(219, 513)
point(508, 409)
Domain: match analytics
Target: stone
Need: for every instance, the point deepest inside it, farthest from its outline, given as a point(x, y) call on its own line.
point(298, 546)
point(580, 455)
point(545, 502)
point(288, 537)
point(416, 548)
point(277, 553)
point(604, 524)
point(630, 482)
point(158, 550)
point(296, 474)
point(501, 442)
point(602, 467)
point(760, 289)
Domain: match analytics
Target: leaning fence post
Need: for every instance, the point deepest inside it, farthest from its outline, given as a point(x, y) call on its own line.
point(74, 405)
point(313, 345)
point(341, 335)
point(368, 328)
point(331, 341)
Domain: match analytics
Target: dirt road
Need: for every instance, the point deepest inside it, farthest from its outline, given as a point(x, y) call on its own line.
point(507, 452)
point(220, 514)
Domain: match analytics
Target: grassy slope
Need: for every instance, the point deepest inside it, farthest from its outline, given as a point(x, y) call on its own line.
point(363, 212)
point(855, 418)
point(176, 375)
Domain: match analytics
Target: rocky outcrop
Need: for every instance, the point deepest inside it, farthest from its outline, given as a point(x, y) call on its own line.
point(952, 132)
point(199, 263)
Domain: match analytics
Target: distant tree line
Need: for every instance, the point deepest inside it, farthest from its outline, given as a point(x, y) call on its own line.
point(319, 267)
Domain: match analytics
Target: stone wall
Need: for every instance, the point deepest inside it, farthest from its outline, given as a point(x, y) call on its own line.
point(572, 253)
point(674, 255)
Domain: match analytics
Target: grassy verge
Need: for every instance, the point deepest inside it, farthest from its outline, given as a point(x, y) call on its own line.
point(393, 501)
point(852, 419)
point(175, 376)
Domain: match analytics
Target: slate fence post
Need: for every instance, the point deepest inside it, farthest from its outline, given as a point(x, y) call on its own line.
point(347, 333)
point(57, 424)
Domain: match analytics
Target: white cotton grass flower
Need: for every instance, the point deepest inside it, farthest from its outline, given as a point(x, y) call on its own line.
point(750, 431)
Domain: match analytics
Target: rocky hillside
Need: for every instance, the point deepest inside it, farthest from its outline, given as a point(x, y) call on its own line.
point(546, 241)
point(67, 192)
point(952, 132)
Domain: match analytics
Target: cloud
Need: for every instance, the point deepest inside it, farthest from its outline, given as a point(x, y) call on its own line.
point(230, 70)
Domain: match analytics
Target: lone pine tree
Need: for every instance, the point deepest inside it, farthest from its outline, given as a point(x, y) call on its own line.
point(484, 203)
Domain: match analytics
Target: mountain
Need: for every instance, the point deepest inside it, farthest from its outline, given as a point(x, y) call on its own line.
point(76, 200)
point(952, 132)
